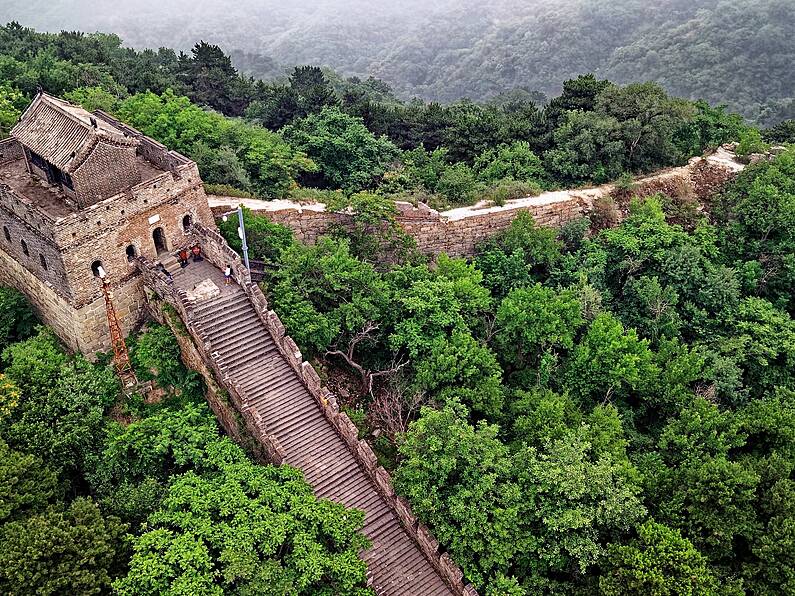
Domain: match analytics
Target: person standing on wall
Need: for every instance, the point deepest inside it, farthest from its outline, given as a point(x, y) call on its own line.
point(228, 275)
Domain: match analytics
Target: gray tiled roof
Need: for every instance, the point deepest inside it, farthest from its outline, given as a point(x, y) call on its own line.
point(63, 133)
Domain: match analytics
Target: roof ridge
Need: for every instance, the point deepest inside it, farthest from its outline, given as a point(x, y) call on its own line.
point(62, 106)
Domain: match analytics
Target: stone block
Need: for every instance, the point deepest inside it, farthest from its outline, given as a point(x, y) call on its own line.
point(428, 544)
point(403, 511)
point(366, 455)
point(384, 484)
point(347, 429)
point(451, 570)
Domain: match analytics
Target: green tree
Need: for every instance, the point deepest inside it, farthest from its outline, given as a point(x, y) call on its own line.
point(26, 485)
point(588, 147)
point(758, 211)
point(535, 321)
point(245, 528)
point(524, 253)
point(648, 120)
point(609, 362)
point(515, 161)
point(458, 185)
point(129, 472)
point(325, 295)
point(458, 479)
point(349, 156)
point(60, 414)
point(659, 562)
point(17, 319)
point(578, 492)
point(93, 98)
point(60, 552)
point(266, 240)
point(459, 366)
point(11, 104)
point(438, 303)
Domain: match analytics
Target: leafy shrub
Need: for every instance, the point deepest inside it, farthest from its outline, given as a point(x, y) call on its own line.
point(17, 319)
point(225, 190)
point(266, 240)
point(509, 190)
point(605, 213)
point(751, 142)
point(458, 185)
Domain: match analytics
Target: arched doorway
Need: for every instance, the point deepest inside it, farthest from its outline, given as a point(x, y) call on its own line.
point(159, 237)
point(187, 222)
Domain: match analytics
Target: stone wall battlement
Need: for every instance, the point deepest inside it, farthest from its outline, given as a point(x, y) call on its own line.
point(10, 150)
point(457, 232)
point(164, 189)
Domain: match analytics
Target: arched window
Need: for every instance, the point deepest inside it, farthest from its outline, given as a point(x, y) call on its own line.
point(24, 247)
point(6, 233)
point(43, 262)
point(95, 266)
point(131, 252)
point(187, 221)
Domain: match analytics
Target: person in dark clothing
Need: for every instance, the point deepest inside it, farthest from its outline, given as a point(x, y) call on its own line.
point(182, 256)
point(164, 271)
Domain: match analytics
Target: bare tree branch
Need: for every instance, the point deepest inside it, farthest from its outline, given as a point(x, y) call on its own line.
point(366, 375)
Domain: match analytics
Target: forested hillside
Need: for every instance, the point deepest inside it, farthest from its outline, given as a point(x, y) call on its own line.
point(608, 408)
point(318, 136)
point(576, 411)
point(735, 52)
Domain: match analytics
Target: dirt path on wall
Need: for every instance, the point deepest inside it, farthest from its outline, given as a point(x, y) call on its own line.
point(722, 157)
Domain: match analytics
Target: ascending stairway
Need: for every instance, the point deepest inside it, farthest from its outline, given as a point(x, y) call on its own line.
point(241, 342)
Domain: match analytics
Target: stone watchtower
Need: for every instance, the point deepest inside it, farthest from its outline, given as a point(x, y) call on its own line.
point(80, 191)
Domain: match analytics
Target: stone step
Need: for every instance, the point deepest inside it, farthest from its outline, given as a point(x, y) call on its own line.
point(271, 387)
point(206, 308)
point(270, 380)
point(245, 326)
point(245, 349)
point(248, 359)
point(220, 320)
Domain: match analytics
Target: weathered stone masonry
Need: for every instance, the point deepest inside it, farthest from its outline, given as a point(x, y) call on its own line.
point(458, 231)
point(79, 190)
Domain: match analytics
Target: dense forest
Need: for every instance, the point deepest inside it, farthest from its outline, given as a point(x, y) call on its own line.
point(575, 412)
point(736, 52)
point(608, 408)
point(317, 135)
point(101, 491)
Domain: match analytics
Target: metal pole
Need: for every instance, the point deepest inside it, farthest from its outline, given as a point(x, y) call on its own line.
point(242, 231)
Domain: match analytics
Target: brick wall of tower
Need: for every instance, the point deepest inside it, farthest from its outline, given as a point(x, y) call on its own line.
point(82, 329)
point(108, 170)
point(10, 150)
point(105, 230)
point(43, 259)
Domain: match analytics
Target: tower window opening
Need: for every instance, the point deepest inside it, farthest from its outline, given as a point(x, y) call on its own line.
point(187, 221)
point(43, 262)
point(131, 252)
point(159, 238)
point(25, 247)
point(96, 267)
point(6, 233)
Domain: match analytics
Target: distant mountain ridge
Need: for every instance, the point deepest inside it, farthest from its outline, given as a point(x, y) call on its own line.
point(735, 51)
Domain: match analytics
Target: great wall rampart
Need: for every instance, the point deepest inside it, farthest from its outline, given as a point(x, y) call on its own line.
point(458, 231)
point(252, 397)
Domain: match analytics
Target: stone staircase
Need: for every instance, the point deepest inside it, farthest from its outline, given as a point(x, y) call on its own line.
point(170, 263)
point(275, 394)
